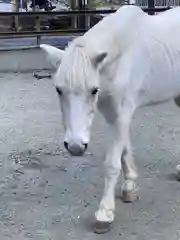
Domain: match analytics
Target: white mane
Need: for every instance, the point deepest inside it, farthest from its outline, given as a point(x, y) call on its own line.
point(75, 66)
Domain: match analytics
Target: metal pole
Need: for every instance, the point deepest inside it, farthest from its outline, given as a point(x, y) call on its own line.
point(151, 4)
point(88, 18)
point(82, 18)
point(38, 38)
point(33, 7)
point(73, 6)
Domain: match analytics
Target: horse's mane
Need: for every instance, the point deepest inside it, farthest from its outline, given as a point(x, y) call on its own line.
point(76, 65)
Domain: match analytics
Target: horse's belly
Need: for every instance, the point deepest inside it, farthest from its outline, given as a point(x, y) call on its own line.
point(163, 82)
point(159, 91)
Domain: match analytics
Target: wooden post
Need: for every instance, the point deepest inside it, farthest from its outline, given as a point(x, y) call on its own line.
point(15, 6)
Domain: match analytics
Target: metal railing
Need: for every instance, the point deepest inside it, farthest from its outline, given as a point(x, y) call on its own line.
point(38, 33)
point(159, 3)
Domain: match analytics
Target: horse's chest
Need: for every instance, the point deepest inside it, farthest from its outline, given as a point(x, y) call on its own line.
point(107, 106)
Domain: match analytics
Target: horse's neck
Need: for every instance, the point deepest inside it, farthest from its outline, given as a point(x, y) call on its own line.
point(113, 34)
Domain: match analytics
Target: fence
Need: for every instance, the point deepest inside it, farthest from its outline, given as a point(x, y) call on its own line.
point(159, 3)
point(38, 32)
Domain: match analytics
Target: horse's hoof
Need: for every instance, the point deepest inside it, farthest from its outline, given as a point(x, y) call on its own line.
point(102, 227)
point(178, 172)
point(130, 196)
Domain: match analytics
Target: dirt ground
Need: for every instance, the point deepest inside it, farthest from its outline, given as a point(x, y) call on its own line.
point(47, 195)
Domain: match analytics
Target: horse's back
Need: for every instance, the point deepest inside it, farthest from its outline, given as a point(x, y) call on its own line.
point(156, 74)
point(169, 19)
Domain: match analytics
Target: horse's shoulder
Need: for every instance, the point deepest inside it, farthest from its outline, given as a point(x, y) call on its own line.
point(107, 105)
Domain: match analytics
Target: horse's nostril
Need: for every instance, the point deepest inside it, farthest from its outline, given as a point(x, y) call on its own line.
point(66, 145)
point(75, 149)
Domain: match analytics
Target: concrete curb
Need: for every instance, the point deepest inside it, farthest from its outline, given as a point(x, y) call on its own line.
point(24, 55)
point(23, 60)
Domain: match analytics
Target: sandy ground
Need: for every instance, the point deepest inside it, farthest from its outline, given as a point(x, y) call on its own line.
point(47, 195)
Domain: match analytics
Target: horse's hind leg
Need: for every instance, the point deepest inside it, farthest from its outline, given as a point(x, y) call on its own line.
point(129, 187)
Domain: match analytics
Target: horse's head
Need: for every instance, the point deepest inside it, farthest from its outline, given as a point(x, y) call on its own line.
point(77, 84)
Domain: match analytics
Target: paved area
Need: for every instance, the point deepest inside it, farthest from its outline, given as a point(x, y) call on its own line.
point(47, 195)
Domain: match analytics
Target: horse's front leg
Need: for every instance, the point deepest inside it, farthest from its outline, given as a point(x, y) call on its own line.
point(105, 213)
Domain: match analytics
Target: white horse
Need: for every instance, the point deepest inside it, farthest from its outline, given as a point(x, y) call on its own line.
point(128, 60)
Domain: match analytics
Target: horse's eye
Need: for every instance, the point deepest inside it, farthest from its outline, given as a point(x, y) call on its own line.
point(94, 91)
point(59, 91)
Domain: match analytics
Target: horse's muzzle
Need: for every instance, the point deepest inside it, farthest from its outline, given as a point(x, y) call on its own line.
point(76, 149)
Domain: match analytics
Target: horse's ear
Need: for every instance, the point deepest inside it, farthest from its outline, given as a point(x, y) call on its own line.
point(99, 59)
point(54, 54)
